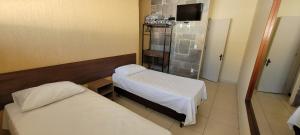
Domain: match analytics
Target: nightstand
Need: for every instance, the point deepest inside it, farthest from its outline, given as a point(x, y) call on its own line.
point(104, 87)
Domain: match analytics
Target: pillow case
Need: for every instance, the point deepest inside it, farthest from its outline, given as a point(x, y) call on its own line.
point(129, 69)
point(36, 97)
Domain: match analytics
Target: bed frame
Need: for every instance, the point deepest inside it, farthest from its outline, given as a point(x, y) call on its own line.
point(78, 72)
point(297, 130)
point(159, 108)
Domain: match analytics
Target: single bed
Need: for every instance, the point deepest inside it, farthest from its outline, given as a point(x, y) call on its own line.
point(168, 94)
point(294, 121)
point(84, 114)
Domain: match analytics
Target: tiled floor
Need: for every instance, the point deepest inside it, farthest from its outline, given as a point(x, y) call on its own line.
point(272, 112)
point(217, 116)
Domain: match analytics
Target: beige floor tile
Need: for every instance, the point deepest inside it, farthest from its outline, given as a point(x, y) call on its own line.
point(205, 109)
point(214, 128)
point(264, 127)
point(176, 130)
point(227, 86)
point(279, 118)
point(280, 128)
point(285, 101)
point(226, 94)
point(276, 111)
point(211, 95)
point(162, 120)
point(226, 103)
point(272, 105)
point(211, 92)
point(227, 107)
point(227, 118)
point(198, 128)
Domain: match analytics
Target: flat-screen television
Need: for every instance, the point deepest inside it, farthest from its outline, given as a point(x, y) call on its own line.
point(189, 12)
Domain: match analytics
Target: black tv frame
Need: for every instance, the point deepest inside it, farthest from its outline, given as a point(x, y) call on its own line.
point(184, 15)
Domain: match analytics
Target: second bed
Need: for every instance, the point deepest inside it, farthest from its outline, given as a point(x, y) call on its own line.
point(179, 94)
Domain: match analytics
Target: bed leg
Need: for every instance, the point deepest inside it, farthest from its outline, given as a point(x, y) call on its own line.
point(181, 125)
point(297, 130)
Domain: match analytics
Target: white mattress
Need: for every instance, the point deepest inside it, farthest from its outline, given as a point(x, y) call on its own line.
point(84, 114)
point(178, 93)
point(294, 120)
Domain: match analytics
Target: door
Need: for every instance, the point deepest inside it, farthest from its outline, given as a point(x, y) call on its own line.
point(214, 48)
point(281, 55)
point(289, 83)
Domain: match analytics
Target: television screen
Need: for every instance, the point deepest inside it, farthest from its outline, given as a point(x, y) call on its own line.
point(189, 12)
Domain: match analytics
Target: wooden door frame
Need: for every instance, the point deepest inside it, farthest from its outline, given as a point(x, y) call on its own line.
point(259, 63)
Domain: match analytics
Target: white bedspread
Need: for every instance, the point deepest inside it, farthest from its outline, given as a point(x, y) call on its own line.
point(84, 114)
point(178, 93)
point(294, 120)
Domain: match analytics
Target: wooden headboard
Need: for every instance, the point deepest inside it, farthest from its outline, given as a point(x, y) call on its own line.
point(78, 72)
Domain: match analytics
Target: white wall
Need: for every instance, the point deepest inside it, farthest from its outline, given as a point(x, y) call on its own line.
point(39, 33)
point(241, 12)
point(289, 8)
point(259, 23)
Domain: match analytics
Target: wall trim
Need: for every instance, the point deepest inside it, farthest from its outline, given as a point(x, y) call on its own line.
point(254, 130)
point(260, 59)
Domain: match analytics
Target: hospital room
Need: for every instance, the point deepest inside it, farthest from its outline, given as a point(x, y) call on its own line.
point(149, 67)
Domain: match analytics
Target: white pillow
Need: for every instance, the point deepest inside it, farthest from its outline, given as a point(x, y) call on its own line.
point(39, 96)
point(129, 69)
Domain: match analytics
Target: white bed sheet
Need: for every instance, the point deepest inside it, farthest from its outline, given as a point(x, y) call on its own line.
point(84, 114)
point(178, 93)
point(294, 120)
